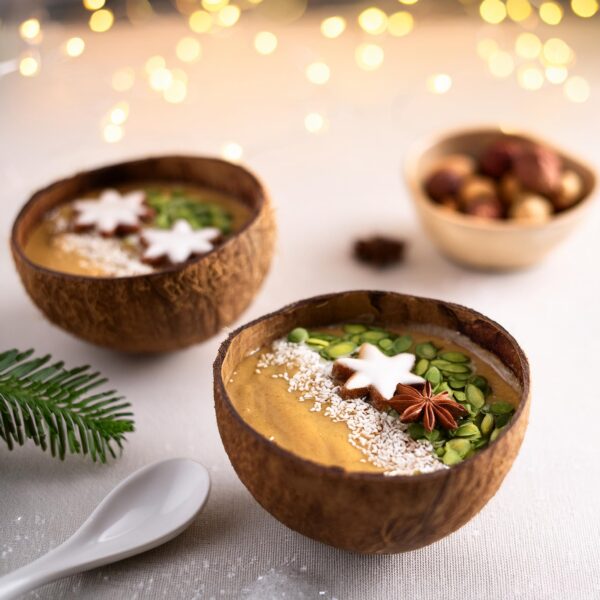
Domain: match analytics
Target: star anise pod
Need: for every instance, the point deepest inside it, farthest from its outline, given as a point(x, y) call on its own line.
point(414, 405)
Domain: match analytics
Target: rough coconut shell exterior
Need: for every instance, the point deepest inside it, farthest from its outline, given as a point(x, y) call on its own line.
point(367, 513)
point(171, 308)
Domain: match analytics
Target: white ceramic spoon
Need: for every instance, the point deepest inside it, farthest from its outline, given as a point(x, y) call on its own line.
point(145, 510)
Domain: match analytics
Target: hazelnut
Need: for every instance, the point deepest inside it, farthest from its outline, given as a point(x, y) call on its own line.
point(538, 169)
point(447, 175)
point(442, 183)
point(530, 208)
point(475, 186)
point(510, 188)
point(449, 203)
point(485, 207)
point(570, 190)
point(499, 156)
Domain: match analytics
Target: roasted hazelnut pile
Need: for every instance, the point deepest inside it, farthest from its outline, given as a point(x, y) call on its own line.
point(511, 179)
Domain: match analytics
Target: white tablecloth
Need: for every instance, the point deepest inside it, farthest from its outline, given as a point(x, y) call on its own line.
point(540, 536)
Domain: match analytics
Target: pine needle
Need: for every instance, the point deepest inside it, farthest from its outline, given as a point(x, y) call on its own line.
point(55, 408)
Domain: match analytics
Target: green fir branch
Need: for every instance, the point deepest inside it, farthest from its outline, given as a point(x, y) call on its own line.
point(56, 408)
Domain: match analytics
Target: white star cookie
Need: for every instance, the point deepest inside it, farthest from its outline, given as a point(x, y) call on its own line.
point(373, 373)
point(177, 244)
point(111, 213)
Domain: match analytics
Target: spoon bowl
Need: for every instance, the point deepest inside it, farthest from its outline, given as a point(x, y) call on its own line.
point(149, 508)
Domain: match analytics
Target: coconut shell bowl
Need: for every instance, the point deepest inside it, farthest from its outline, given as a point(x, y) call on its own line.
point(168, 308)
point(516, 213)
point(369, 513)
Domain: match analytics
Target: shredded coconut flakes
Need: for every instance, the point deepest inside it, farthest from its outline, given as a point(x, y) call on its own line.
point(381, 438)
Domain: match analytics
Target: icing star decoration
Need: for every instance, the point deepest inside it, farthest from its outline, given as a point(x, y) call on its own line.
point(178, 244)
point(374, 374)
point(111, 213)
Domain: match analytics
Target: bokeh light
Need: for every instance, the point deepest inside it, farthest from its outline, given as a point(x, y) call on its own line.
point(29, 29)
point(557, 52)
point(487, 47)
point(74, 47)
point(556, 75)
point(530, 78)
point(551, 13)
point(584, 8)
point(101, 20)
point(577, 89)
point(265, 42)
point(188, 49)
point(369, 56)
point(333, 27)
point(232, 151)
point(315, 122)
point(112, 133)
point(439, 83)
point(492, 11)
point(119, 113)
point(528, 45)
point(160, 79)
point(214, 5)
point(373, 20)
point(154, 63)
point(400, 23)
point(200, 21)
point(176, 91)
point(228, 16)
point(29, 65)
point(318, 73)
point(518, 10)
point(93, 4)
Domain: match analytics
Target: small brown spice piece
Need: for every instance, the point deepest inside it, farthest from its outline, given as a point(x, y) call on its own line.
point(380, 251)
point(414, 405)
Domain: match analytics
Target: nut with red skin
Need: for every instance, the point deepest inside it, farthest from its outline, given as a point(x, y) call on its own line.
point(485, 207)
point(447, 175)
point(538, 169)
point(498, 157)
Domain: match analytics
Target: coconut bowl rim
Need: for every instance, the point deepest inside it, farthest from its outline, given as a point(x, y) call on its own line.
point(335, 471)
point(419, 197)
point(167, 270)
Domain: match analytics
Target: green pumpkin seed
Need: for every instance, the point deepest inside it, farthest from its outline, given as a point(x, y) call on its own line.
point(487, 424)
point(441, 364)
point(416, 431)
point(455, 357)
point(421, 367)
point(339, 349)
point(469, 430)
point(443, 387)
point(460, 446)
point(433, 375)
point(456, 383)
point(298, 335)
point(354, 328)
point(433, 436)
point(475, 396)
point(496, 433)
point(451, 457)
point(482, 443)
point(325, 337)
point(426, 350)
point(385, 343)
point(501, 408)
point(356, 339)
point(317, 343)
point(456, 369)
point(460, 396)
point(440, 451)
point(402, 344)
point(372, 337)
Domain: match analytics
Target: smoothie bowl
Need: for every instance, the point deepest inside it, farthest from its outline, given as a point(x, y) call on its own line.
point(149, 255)
point(372, 421)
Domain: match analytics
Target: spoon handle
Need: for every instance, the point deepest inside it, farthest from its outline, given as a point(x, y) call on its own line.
point(45, 569)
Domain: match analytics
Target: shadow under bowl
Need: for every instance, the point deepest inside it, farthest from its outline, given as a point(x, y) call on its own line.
point(365, 512)
point(172, 307)
point(485, 243)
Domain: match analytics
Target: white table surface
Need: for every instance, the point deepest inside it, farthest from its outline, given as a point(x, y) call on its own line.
point(540, 536)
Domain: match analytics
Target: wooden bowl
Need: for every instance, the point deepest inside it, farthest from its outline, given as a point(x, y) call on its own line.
point(488, 244)
point(366, 512)
point(167, 309)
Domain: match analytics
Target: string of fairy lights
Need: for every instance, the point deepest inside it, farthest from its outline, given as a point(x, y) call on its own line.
point(532, 59)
